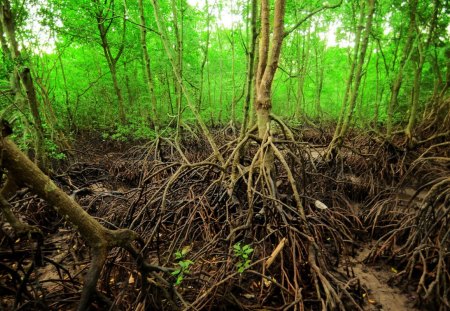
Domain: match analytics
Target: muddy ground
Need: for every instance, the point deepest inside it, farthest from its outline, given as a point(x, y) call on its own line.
point(382, 231)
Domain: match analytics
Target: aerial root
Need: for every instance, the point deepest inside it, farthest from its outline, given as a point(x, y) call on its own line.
point(203, 206)
point(206, 206)
point(415, 231)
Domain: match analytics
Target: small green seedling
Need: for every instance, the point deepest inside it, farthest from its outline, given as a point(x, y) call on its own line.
point(243, 254)
point(183, 265)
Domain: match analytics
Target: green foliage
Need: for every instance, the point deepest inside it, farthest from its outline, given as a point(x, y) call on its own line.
point(242, 253)
point(53, 150)
point(131, 131)
point(183, 265)
point(77, 75)
point(21, 135)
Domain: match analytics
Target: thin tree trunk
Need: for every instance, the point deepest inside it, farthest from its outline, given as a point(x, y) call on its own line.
point(250, 68)
point(249, 91)
point(169, 96)
point(70, 118)
point(319, 84)
point(332, 146)
point(438, 82)
point(233, 81)
point(24, 75)
point(219, 40)
point(110, 59)
point(421, 50)
point(205, 57)
point(176, 72)
point(52, 122)
point(147, 66)
point(303, 52)
point(359, 70)
point(341, 131)
point(395, 89)
point(178, 30)
point(130, 95)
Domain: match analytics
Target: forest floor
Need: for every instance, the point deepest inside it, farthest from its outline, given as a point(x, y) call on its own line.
point(377, 189)
point(375, 278)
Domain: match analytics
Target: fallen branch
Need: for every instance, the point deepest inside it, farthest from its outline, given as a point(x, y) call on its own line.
point(23, 171)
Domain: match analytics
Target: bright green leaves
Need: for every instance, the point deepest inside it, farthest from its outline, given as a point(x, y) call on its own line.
point(242, 253)
point(183, 265)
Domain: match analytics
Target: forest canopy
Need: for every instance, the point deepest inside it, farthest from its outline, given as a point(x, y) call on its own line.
point(92, 62)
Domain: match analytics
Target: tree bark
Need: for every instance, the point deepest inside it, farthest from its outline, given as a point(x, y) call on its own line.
point(268, 64)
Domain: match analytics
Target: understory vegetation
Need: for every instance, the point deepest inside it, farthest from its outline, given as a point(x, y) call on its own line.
point(227, 155)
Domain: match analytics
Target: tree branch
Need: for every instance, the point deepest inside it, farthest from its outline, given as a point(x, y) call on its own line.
point(304, 19)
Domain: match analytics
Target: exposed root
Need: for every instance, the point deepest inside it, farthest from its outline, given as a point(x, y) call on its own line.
point(413, 229)
point(301, 217)
point(201, 205)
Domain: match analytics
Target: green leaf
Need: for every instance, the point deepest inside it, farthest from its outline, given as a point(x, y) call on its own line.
point(178, 255)
point(179, 279)
point(184, 264)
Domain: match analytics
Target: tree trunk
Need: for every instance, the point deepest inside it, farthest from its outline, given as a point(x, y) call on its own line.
point(420, 61)
point(178, 30)
point(70, 119)
point(221, 105)
point(357, 65)
point(248, 88)
point(27, 81)
point(250, 68)
point(303, 52)
point(379, 87)
point(110, 59)
point(22, 73)
point(205, 57)
point(56, 135)
point(176, 72)
point(319, 84)
point(233, 81)
point(396, 85)
point(148, 73)
point(268, 64)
